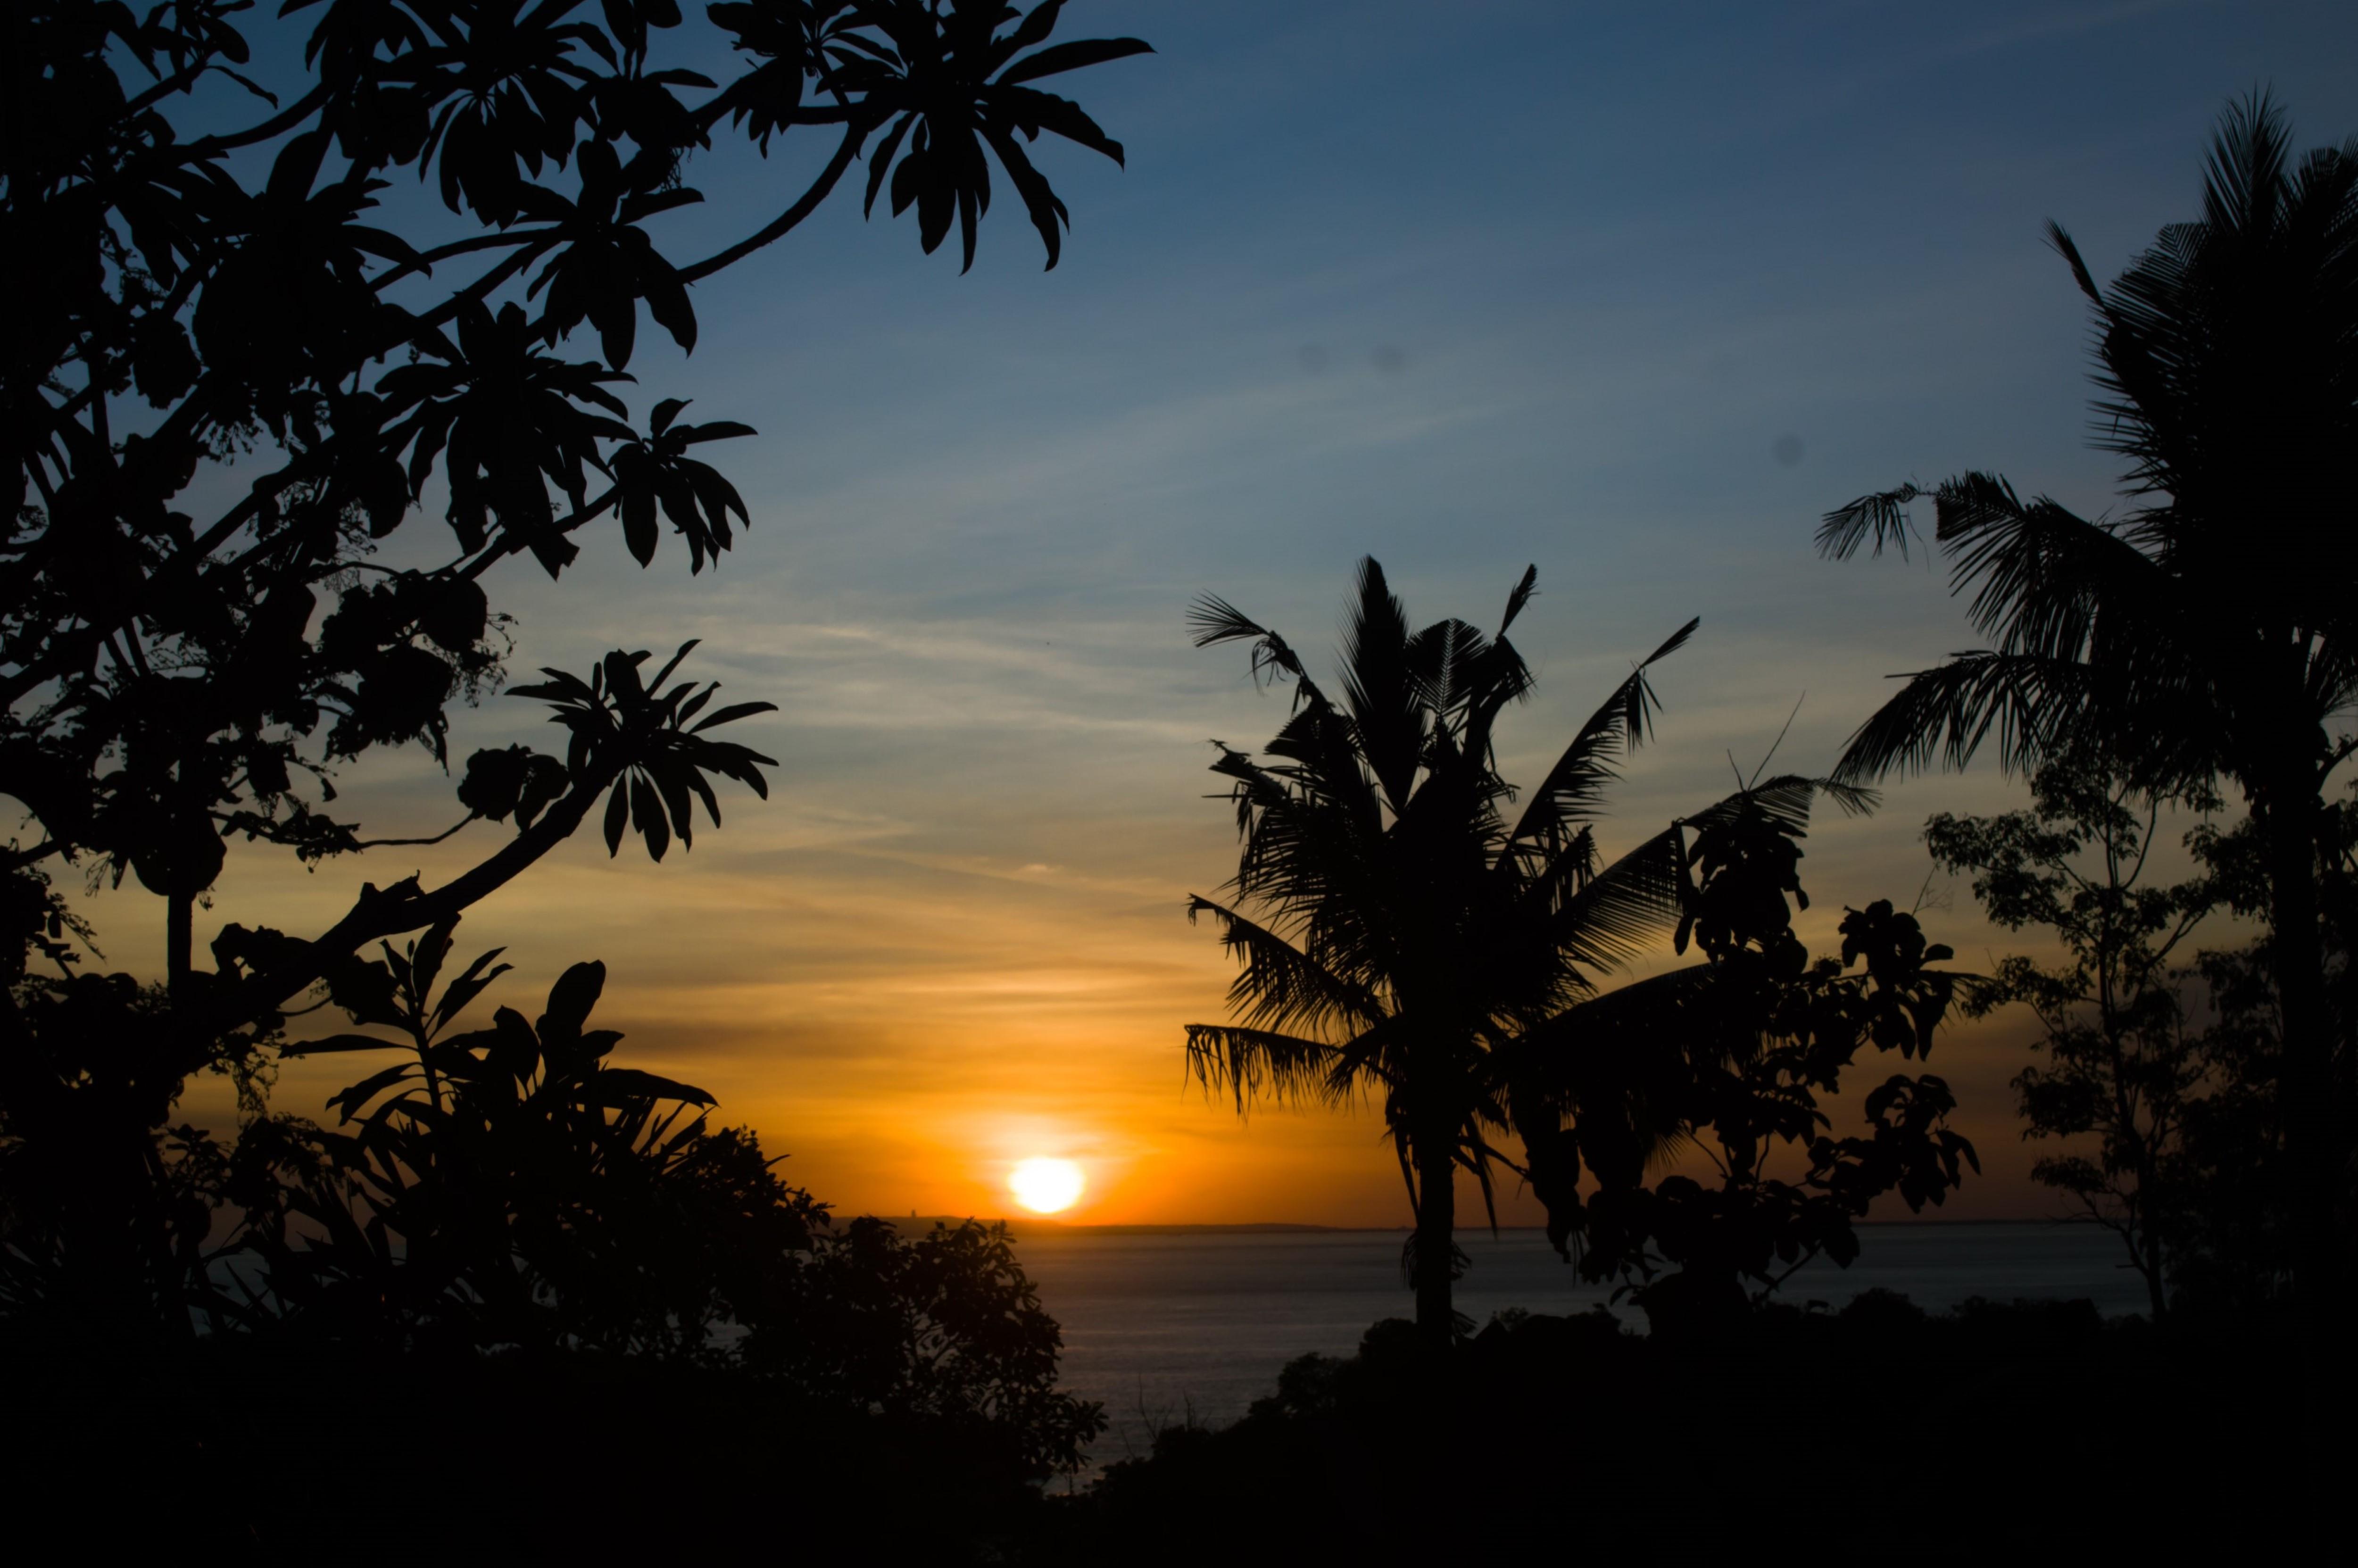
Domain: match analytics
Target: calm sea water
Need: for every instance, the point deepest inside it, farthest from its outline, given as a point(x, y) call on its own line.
point(1159, 1327)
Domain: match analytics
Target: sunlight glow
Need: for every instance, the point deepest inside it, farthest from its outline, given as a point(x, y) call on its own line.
point(1045, 1186)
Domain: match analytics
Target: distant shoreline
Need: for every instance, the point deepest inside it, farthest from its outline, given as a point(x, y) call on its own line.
point(1043, 1222)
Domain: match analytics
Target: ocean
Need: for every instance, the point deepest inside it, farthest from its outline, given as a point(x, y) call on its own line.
point(1162, 1327)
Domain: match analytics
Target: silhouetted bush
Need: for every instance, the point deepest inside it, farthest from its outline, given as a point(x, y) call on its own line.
point(515, 1268)
point(341, 1454)
point(2033, 1429)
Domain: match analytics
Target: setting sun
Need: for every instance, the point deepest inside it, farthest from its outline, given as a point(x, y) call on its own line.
point(1045, 1186)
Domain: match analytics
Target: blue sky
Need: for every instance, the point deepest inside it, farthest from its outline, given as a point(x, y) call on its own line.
point(1633, 293)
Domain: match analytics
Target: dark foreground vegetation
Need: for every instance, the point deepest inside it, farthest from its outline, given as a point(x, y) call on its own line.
point(336, 1453)
point(508, 1293)
point(321, 321)
point(2032, 1430)
point(2029, 1429)
point(1407, 922)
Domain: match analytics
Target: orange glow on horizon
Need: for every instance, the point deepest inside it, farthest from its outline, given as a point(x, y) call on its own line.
point(892, 1024)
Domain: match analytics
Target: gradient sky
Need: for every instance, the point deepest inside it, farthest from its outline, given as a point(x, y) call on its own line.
point(1633, 293)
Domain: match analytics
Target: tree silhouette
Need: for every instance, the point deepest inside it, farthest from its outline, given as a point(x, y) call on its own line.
point(2206, 635)
point(1730, 1059)
point(510, 1196)
point(511, 1189)
point(1401, 934)
point(2121, 1063)
point(1396, 928)
point(190, 652)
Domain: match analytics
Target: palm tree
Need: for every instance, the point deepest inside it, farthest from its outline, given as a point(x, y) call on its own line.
point(2208, 634)
point(1398, 931)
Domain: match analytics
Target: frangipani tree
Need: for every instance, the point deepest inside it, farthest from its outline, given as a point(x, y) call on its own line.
point(245, 370)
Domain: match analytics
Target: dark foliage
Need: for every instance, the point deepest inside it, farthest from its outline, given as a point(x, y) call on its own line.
point(2121, 1072)
point(568, 1456)
point(510, 1189)
point(245, 359)
point(1406, 930)
point(188, 677)
point(1732, 1058)
point(2204, 637)
point(1877, 1430)
point(2231, 1240)
point(509, 1192)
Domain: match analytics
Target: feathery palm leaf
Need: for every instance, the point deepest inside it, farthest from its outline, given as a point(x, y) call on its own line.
point(1574, 787)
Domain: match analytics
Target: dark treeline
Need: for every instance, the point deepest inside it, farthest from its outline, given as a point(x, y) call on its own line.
point(2030, 1430)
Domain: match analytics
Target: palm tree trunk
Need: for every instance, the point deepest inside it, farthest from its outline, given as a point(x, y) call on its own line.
point(1436, 1223)
point(2289, 822)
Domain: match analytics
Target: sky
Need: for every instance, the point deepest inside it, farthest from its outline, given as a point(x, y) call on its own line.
point(1633, 293)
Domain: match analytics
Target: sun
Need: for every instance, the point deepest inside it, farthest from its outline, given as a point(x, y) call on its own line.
point(1046, 1186)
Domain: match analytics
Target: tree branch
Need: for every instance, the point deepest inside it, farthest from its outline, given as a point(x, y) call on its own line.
point(426, 259)
point(404, 906)
point(18, 859)
point(507, 544)
point(286, 120)
point(473, 291)
point(394, 843)
point(854, 134)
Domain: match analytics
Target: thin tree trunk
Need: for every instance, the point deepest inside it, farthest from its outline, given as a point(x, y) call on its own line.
point(2289, 814)
point(2149, 1232)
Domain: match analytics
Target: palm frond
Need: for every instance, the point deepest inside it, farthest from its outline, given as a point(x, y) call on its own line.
point(1373, 1055)
point(1499, 677)
point(1445, 662)
point(1378, 688)
point(1553, 876)
point(1876, 520)
point(1250, 1065)
point(1574, 786)
point(1630, 1044)
point(1624, 908)
point(1324, 745)
point(2054, 584)
point(1281, 987)
point(1522, 594)
point(2061, 242)
point(1214, 620)
point(1944, 715)
point(2243, 177)
point(1789, 798)
point(1475, 1154)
